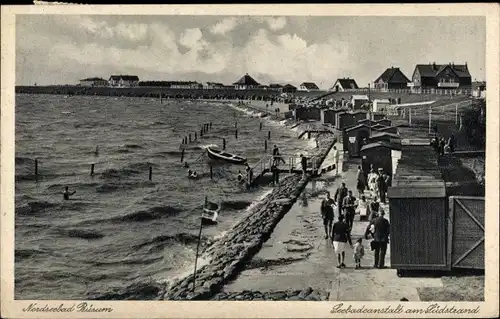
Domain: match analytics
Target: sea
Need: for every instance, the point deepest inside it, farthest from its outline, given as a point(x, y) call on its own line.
point(119, 228)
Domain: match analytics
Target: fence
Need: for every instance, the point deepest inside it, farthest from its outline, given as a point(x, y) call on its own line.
point(466, 92)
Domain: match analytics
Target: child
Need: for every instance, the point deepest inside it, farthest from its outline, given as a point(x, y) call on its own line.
point(359, 252)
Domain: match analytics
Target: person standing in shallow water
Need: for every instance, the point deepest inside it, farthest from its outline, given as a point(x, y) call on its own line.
point(303, 162)
point(67, 193)
point(327, 214)
point(340, 237)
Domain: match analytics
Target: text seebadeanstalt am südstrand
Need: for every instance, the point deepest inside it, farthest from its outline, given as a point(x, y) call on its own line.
point(80, 307)
point(434, 308)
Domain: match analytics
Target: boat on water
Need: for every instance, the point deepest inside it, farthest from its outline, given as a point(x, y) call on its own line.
point(210, 214)
point(217, 154)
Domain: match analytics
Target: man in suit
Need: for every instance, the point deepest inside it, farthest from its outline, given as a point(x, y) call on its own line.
point(380, 239)
point(340, 194)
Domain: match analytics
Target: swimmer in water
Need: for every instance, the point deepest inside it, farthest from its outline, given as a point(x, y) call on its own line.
point(240, 176)
point(194, 175)
point(186, 165)
point(67, 193)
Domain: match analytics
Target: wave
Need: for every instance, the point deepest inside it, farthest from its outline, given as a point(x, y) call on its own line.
point(133, 146)
point(24, 160)
point(135, 168)
point(27, 253)
point(150, 214)
point(182, 238)
point(34, 207)
point(136, 291)
point(236, 205)
point(81, 233)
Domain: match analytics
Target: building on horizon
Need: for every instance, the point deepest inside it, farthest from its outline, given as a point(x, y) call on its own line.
point(288, 88)
point(275, 86)
point(213, 85)
point(123, 80)
point(245, 83)
point(185, 85)
point(93, 82)
point(344, 84)
point(392, 78)
point(308, 87)
point(441, 76)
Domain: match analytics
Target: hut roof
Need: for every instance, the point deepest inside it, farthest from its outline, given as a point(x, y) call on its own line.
point(356, 127)
point(392, 146)
point(360, 97)
point(379, 134)
point(246, 80)
point(434, 189)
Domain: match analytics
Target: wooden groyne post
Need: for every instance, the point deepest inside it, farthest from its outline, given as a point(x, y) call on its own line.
point(36, 167)
point(201, 132)
point(211, 172)
point(210, 125)
point(189, 137)
point(265, 145)
point(269, 135)
point(260, 126)
point(236, 134)
point(195, 136)
point(182, 155)
point(92, 166)
point(223, 143)
point(96, 153)
point(150, 173)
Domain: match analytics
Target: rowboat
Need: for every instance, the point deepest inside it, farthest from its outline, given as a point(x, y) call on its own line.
point(210, 214)
point(216, 154)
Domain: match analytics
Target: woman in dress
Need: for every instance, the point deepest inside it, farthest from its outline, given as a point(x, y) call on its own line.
point(340, 237)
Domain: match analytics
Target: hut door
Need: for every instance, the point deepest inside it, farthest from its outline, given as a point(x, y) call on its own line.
point(359, 139)
point(466, 232)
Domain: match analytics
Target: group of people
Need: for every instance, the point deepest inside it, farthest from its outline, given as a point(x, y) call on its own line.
point(441, 146)
point(377, 182)
point(340, 232)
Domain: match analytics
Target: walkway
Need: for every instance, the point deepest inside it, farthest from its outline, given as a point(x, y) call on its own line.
point(297, 256)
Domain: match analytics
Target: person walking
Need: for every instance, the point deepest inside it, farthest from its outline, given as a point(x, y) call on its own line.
point(451, 143)
point(359, 252)
point(336, 157)
point(349, 204)
point(372, 182)
point(361, 181)
point(303, 162)
point(327, 214)
point(442, 143)
point(340, 193)
point(363, 209)
point(340, 237)
point(381, 185)
point(380, 239)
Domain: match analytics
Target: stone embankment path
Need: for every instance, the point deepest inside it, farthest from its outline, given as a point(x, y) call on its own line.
point(297, 255)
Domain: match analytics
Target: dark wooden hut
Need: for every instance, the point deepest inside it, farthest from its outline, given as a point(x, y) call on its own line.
point(418, 212)
point(353, 138)
point(385, 122)
point(379, 155)
point(377, 116)
point(387, 129)
point(377, 136)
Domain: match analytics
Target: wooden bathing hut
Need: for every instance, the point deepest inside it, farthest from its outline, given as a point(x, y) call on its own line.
point(380, 155)
point(377, 116)
point(377, 136)
point(367, 122)
point(385, 122)
point(353, 138)
point(418, 212)
point(335, 115)
point(360, 115)
point(328, 116)
point(344, 120)
point(387, 129)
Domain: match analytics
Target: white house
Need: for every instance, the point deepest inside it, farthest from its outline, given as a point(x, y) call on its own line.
point(93, 82)
point(308, 86)
point(380, 105)
point(344, 84)
point(358, 100)
point(123, 80)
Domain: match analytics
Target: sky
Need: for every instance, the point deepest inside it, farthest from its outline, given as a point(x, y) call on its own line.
point(62, 49)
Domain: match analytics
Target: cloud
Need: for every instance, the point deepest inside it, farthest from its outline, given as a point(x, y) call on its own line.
point(276, 23)
point(224, 26)
point(283, 58)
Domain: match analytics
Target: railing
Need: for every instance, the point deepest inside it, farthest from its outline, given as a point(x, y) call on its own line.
point(292, 163)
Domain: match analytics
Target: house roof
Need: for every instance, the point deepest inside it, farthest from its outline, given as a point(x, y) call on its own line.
point(360, 97)
point(392, 146)
point(93, 79)
point(289, 86)
point(246, 80)
point(347, 83)
point(124, 77)
point(432, 70)
point(310, 86)
point(393, 75)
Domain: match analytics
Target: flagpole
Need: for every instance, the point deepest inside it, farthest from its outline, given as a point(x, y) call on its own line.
point(198, 246)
